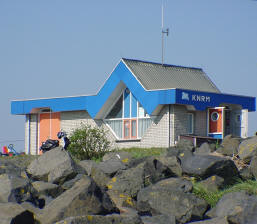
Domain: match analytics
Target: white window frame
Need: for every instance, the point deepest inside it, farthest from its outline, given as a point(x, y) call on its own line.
point(129, 118)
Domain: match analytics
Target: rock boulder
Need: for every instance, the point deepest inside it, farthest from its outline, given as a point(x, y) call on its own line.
point(12, 213)
point(204, 166)
point(97, 219)
point(13, 188)
point(229, 146)
point(248, 149)
point(54, 166)
point(253, 166)
point(171, 197)
point(83, 198)
point(238, 207)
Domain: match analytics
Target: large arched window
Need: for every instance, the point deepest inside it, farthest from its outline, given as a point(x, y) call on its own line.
point(127, 118)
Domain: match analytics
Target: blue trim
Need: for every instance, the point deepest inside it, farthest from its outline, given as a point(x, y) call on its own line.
point(217, 136)
point(148, 99)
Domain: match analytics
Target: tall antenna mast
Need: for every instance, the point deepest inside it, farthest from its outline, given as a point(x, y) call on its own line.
point(164, 31)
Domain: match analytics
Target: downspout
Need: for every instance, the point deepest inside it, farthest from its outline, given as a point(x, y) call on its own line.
point(169, 127)
point(29, 134)
point(173, 124)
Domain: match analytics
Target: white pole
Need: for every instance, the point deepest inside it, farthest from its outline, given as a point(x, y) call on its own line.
point(162, 16)
point(162, 36)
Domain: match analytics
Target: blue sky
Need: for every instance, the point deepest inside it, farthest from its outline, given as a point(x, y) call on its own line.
point(62, 48)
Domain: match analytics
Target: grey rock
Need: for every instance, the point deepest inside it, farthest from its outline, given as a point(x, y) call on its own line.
point(204, 166)
point(69, 184)
point(184, 144)
point(124, 157)
point(54, 166)
point(161, 199)
point(218, 220)
point(246, 173)
point(172, 151)
point(15, 166)
point(135, 162)
point(30, 207)
point(12, 213)
point(159, 167)
point(253, 166)
point(174, 184)
point(229, 146)
point(7, 167)
point(13, 188)
point(159, 219)
point(203, 149)
point(99, 177)
point(238, 207)
point(248, 149)
point(45, 188)
point(168, 165)
point(83, 198)
point(213, 183)
point(87, 165)
point(212, 146)
point(124, 186)
point(111, 166)
point(98, 219)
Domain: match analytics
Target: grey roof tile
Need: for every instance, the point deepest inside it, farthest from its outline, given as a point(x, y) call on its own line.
point(155, 76)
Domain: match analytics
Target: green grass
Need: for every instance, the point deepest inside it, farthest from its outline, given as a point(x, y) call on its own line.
point(212, 198)
point(143, 152)
point(135, 152)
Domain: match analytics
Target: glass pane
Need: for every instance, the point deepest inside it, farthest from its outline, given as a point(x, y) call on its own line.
point(126, 129)
point(141, 111)
point(143, 125)
point(116, 126)
point(133, 128)
point(116, 111)
point(133, 106)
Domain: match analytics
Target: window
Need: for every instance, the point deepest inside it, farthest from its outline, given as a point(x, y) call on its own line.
point(238, 118)
point(128, 119)
point(190, 127)
point(215, 116)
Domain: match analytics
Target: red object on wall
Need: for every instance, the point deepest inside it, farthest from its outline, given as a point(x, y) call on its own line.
point(215, 120)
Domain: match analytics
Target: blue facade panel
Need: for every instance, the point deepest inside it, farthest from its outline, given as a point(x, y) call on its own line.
point(203, 100)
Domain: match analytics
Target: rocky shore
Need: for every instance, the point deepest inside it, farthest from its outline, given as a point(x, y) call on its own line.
point(53, 188)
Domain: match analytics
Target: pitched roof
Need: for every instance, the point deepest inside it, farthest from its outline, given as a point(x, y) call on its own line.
point(154, 76)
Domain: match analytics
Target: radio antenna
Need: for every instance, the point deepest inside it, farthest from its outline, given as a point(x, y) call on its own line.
point(164, 31)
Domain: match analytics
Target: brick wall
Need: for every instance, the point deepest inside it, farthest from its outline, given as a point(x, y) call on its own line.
point(180, 121)
point(179, 117)
point(201, 123)
point(155, 136)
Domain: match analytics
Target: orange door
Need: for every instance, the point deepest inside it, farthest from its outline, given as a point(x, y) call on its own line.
point(215, 120)
point(49, 126)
